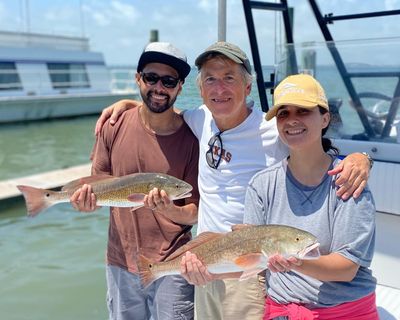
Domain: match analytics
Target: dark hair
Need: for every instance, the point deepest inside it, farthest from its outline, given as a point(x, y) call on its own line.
point(326, 142)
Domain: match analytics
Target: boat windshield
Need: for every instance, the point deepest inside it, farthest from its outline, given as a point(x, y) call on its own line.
point(363, 94)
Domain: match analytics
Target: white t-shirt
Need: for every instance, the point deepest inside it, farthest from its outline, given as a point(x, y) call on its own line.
point(250, 147)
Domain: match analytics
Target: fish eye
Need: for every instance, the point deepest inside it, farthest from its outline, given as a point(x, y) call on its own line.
point(297, 239)
point(177, 186)
point(47, 194)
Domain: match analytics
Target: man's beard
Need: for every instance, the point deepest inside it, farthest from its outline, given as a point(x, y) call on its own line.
point(156, 107)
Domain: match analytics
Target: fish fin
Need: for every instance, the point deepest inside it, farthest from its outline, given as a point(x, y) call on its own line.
point(248, 261)
point(75, 184)
point(207, 236)
point(136, 197)
point(35, 199)
point(182, 196)
point(137, 207)
point(237, 227)
point(310, 253)
point(265, 254)
point(145, 273)
point(250, 273)
point(200, 239)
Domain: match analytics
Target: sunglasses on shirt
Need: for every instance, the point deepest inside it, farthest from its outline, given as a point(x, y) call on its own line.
point(152, 78)
point(215, 143)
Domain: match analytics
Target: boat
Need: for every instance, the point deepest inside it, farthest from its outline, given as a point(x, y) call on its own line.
point(45, 76)
point(364, 96)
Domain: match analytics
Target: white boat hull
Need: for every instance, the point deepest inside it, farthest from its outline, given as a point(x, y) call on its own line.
point(29, 108)
point(384, 183)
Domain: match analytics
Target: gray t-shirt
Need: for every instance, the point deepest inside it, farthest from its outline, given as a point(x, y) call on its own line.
point(274, 196)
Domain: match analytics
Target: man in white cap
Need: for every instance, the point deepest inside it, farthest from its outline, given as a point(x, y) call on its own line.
point(235, 143)
point(150, 138)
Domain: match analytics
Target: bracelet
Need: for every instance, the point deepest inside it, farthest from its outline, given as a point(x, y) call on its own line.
point(371, 161)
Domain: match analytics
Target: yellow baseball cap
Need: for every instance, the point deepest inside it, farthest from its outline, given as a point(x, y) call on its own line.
point(300, 90)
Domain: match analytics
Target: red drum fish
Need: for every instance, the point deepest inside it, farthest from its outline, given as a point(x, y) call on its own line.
point(125, 191)
point(245, 249)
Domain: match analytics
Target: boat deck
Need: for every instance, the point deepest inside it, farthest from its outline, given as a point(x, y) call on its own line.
point(388, 302)
point(47, 180)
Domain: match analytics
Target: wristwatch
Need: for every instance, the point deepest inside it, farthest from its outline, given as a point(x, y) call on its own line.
point(371, 161)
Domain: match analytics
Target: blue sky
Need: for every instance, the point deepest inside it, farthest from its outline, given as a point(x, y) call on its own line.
point(120, 28)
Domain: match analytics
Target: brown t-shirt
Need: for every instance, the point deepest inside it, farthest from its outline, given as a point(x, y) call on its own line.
point(129, 147)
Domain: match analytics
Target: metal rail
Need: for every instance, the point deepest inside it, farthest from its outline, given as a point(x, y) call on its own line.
point(248, 6)
point(346, 76)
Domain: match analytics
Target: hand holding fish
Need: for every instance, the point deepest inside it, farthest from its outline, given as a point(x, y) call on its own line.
point(158, 200)
point(84, 199)
point(194, 271)
point(278, 263)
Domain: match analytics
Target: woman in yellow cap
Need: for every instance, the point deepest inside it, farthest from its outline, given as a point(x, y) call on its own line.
point(298, 192)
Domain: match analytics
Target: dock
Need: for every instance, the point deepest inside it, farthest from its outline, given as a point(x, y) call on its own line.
point(46, 180)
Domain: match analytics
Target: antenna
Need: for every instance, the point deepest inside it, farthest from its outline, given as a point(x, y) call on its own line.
point(153, 35)
point(82, 18)
point(25, 15)
point(222, 20)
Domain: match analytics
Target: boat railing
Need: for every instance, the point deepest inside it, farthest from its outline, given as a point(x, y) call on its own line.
point(357, 73)
point(379, 99)
point(123, 78)
point(14, 82)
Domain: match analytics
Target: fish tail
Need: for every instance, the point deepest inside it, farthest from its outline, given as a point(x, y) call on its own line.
point(35, 199)
point(145, 271)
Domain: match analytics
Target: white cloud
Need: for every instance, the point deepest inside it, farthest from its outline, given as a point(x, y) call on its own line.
point(2, 10)
point(125, 42)
point(65, 15)
point(10, 19)
point(207, 5)
point(124, 10)
point(115, 13)
point(392, 4)
point(101, 19)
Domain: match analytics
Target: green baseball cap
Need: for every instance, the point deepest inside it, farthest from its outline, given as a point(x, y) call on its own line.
point(229, 50)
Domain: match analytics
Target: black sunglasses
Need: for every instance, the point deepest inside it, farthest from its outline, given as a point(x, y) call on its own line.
point(215, 143)
point(152, 78)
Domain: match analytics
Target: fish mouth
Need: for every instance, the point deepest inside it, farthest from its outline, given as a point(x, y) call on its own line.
point(310, 252)
point(183, 195)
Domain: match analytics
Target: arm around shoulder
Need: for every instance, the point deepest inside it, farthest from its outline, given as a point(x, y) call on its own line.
point(114, 111)
point(353, 174)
